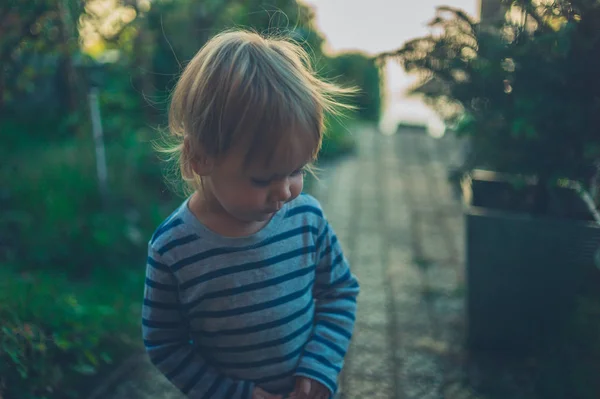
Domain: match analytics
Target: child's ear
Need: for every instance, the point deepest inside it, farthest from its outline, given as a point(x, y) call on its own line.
point(201, 164)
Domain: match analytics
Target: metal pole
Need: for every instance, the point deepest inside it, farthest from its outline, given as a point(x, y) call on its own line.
point(99, 143)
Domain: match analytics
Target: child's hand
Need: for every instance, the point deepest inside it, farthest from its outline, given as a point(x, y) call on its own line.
point(259, 393)
point(307, 388)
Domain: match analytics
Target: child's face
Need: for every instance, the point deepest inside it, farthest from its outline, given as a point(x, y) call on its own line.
point(255, 192)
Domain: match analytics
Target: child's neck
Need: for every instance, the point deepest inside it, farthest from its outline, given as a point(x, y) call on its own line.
point(211, 214)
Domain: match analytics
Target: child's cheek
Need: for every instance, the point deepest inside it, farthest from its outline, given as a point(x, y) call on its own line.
point(297, 186)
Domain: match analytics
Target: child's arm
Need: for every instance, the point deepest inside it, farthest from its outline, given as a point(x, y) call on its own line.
point(167, 340)
point(336, 290)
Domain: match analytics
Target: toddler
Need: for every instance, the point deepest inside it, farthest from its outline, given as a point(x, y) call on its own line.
point(248, 294)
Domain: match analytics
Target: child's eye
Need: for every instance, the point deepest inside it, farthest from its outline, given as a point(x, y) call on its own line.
point(298, 172)
point(260, 182)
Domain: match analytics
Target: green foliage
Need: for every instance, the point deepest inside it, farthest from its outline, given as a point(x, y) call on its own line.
point(526, 92)
point(338, 140)
point(37, 40)
point(56, 332)
point(356, 69)
point(53, 215)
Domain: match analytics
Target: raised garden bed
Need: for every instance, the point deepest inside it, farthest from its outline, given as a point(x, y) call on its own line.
point(524, 271)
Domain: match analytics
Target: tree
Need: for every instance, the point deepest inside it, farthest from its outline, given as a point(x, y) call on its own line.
point(37, 42)
point(525, 91)
point(357, 69)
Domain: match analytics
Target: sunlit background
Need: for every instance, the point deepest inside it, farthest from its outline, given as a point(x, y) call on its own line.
point(376, 26)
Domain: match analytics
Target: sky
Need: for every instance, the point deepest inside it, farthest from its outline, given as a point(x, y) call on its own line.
point(374, 26)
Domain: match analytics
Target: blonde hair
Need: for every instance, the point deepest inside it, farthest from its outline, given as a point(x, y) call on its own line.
point(245, 88)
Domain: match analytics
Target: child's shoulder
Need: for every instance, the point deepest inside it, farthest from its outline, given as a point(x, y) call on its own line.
point(174, 227)
point(306, 204)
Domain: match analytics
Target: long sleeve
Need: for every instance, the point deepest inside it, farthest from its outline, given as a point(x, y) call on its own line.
point(167, 340)
point(336, 290)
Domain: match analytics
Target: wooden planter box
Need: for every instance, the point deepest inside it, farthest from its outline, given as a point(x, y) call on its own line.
point(523, 272)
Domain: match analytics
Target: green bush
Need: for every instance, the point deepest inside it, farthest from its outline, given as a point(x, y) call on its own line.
point(338, 139)
point(56, 334)
point(524, 91)
point(356, 69)
point(53, 215)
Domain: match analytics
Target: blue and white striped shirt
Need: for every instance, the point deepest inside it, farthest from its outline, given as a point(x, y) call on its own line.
point(222, 315)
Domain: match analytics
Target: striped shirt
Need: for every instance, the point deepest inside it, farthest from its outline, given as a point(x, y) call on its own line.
point(222, 315)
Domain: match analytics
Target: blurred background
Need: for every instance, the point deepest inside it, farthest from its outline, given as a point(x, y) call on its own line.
point(480, 123)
